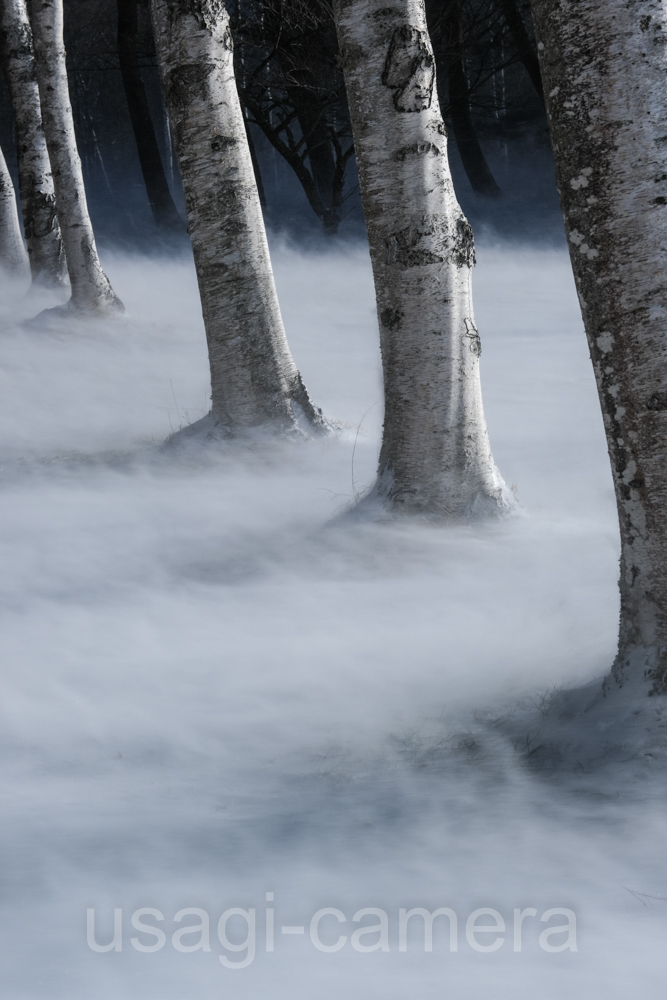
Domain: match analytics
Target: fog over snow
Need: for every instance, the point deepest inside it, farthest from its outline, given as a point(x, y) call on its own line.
point(215, 686)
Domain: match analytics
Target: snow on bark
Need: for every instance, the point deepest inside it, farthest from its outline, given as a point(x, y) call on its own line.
point(13, 256)
point(435, 455)
point(91, 290)
point(40, 221)
point(604, 66)
point(254, 380)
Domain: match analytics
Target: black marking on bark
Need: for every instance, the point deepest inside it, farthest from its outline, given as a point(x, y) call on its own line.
point(418, 149)
point(644, 22)
point(472, 334)
point(21, 46)
point(391, 318)
point(431, 242)
point(224, 203)
point(658, 401)
point(463, 253)
point(188, 82)
point(660, 201)
point(403, 246)
point(42, 215)
point(222, 142)
point(409, 69)
point(208, 13)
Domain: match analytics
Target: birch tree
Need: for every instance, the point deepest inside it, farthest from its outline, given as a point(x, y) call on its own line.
point(604, 67)
point(91, 290)
point(254, 380)
point(13, 256)
point(38, 202)
point(435, 456)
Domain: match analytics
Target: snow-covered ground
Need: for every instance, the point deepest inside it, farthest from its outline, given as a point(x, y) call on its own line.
point(214, 687)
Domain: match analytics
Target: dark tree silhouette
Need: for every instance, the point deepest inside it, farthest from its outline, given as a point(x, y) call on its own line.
point(157, 188)
point(291, 87)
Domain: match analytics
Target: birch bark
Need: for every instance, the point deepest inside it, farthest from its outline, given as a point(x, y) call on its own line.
point(604, 67)
point(38, 201)
point(254, 380)
point(13, 256)
point(435, 455)
point(91, 291)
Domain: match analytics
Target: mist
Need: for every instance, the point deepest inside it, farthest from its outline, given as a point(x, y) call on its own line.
point(219, 685)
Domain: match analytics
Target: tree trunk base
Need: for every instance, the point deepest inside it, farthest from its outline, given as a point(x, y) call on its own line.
point(215, 429)
point(384, 502)
point(61, 316)
point(639, 668)
point(587, 729)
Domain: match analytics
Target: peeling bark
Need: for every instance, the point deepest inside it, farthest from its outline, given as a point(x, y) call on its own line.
point(40, 222)
point(604, 67)
point(435, 456)
point(91, 291)
point(254, 380)
point(13, 256)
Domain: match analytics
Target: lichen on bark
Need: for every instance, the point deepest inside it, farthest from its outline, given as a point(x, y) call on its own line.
point(604, 67)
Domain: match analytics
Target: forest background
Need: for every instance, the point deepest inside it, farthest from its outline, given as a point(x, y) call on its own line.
point(286, 64)
point(216, 687)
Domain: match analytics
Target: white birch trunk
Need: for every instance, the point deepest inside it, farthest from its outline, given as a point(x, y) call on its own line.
point(604, 67)
point(435, 455)
point(254, 380)
point(91, 291)
point(13, 255)
point(40, 221)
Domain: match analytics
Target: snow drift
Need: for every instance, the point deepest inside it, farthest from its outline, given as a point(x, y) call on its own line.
point(216, 688)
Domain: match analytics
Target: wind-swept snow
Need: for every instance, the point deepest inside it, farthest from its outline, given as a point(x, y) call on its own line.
point(215, 688)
